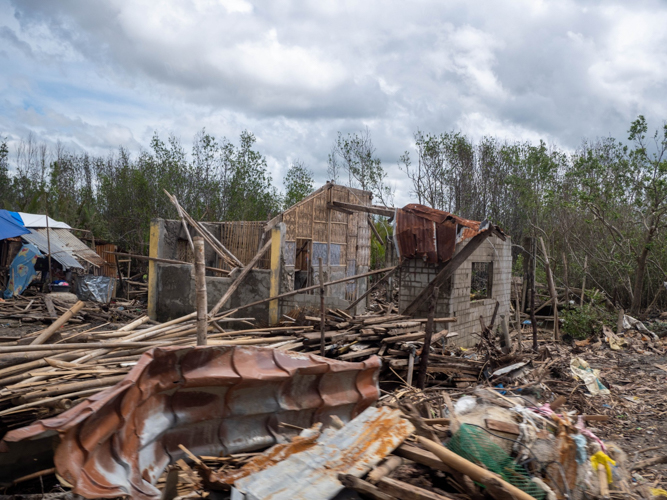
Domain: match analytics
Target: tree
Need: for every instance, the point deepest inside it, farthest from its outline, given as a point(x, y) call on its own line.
point(5, 180)
point(625, 190)
point(298, 183)
point(355, 154)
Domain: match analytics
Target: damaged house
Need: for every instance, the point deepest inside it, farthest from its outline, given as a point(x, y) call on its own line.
point(331, 224)
point(470, 261)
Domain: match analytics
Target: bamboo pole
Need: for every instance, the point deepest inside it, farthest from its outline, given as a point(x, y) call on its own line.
point(240, 278)
point(185, 225)
point(306, 289)
point(219, 248)
point(68, 347)
point(163, 261)
point(46, 334)
point(200, 290)
point(473, 471)
point(552, 288)
point(423, 362)
point(322, 310)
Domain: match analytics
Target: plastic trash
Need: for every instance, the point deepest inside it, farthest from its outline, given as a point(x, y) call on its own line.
point(582, 370)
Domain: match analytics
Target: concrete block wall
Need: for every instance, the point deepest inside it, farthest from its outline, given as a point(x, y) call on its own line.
point(455, 295)
point(172, 286)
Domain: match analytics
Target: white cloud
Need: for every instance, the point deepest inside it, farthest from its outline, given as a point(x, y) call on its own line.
point(110, 72)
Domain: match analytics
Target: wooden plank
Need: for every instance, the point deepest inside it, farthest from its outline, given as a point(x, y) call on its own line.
point(48, 302)
point(406, 491)
point(385, 212)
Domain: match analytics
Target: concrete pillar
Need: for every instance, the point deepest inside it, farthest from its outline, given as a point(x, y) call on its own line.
point(277, 240)
point(154, 250)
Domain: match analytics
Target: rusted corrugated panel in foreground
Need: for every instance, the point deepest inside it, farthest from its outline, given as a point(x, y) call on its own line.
point(430, 234)
point(313, 473)
point(210, 399)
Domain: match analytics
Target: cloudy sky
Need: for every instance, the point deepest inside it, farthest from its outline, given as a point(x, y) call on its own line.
point(99, 74)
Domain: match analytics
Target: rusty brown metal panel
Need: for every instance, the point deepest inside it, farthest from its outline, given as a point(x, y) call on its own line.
point(426, 233)
point(210, 399)
point(446, 237)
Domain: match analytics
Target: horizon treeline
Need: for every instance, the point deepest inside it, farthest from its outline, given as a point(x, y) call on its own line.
point(602, 207)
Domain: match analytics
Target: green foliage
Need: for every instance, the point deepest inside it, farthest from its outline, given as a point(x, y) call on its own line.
point(116, 197)
point(377, 250)
point(585, 321)
point(354, 154)
point(5, 181)
point(298, 184)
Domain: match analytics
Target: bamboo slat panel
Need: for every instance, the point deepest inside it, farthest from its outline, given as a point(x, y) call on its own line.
point(109, 267)
point(243, 239)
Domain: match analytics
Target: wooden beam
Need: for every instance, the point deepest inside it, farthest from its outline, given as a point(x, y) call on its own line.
point(450, 268)
point(331, 206)
point(373, 209)
point(374, 229)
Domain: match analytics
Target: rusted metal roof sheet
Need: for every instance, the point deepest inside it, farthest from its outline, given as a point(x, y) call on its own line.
point(426, 233)
point(66, 240)
point(211, 399)
point(313, 473)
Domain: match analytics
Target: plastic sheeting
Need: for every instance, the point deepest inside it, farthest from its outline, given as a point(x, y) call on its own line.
point(38, 220)
point(95, 288)
point(22, 270)
point(9, 226)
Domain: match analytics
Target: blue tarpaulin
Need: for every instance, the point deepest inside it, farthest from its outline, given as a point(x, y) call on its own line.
point(10, 226)
point(22, 270)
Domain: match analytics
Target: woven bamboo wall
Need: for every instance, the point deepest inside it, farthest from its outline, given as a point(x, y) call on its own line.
point(342, 238)
point(243, 239)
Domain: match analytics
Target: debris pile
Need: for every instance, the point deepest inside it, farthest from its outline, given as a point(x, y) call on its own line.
point(140, 411)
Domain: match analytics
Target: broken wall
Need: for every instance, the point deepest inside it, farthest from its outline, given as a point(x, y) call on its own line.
point(172, 286)
point(455, 297)
point(341, 239)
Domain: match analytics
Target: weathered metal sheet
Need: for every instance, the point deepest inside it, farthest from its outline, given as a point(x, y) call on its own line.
point(66, 240)
point(430, 234)
point(210, 399)
point(58, 253)
point(313, 473)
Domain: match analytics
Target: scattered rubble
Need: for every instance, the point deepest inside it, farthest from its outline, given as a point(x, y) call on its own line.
point(493, 421)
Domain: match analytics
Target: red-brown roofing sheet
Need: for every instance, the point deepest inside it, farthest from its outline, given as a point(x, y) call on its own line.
point(210, 399)
point(430, 234)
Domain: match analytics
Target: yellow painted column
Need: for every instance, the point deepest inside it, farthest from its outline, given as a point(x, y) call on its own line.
point(152, 268)
point(274, 288)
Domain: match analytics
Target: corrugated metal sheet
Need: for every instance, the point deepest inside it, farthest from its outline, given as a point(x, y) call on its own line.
point(65, 239)
point(211, 399)
point(313, 473)
point(57, 252)
point(430, 234)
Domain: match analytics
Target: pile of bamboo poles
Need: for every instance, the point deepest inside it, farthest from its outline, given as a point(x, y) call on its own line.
point(45, 307)
point(43, 379)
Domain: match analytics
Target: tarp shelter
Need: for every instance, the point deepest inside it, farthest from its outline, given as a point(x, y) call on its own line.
point(38, 220)
point(9, 226)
